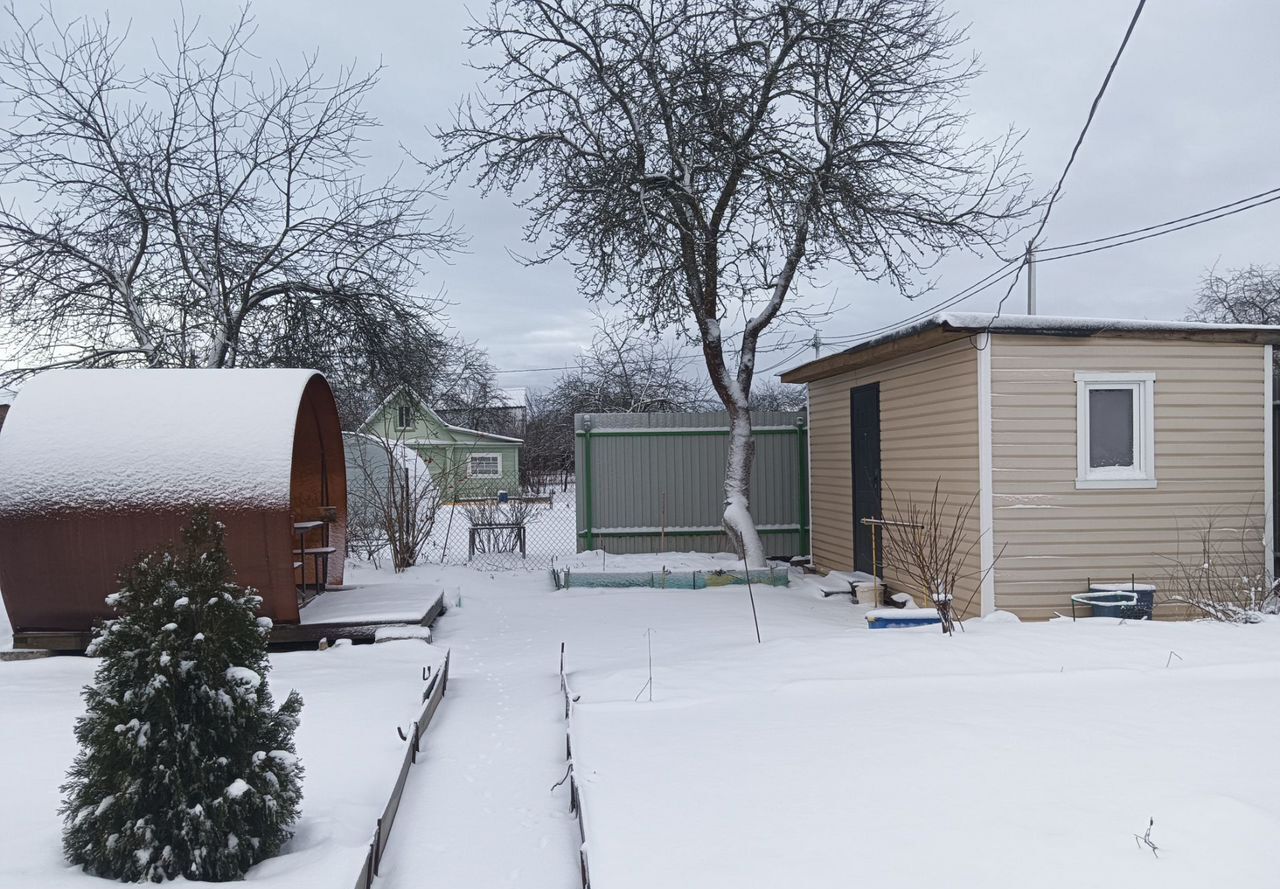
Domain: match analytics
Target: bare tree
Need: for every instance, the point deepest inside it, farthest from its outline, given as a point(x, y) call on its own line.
point(699, 160)
point(448, 373)
point(628, 371)
point(1239, 296)
point(772, 395)
point(926, 546)
point(547, 458)
point(1223, 575)
point(198, 213)
point(393, 499)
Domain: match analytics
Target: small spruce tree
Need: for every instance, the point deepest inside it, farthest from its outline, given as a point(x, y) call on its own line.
point(186, 768)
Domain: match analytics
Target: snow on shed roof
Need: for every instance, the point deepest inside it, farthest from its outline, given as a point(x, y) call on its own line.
point(957, 325)
point(145, 438)
point(1067, 324)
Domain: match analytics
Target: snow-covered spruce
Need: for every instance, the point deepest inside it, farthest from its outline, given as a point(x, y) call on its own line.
point(186, 768)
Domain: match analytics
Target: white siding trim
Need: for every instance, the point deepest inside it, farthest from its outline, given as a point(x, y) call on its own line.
point(986, 497)
point(1268, 472)
point(808, 462)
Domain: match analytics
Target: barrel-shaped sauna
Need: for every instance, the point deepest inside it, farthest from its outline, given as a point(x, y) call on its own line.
point(98, 466)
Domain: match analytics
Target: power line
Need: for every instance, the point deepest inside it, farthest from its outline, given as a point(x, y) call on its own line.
point(1145, 233)
point(787, 359)
point(1156, 234)
point(974, 289)
point(971, 291)
point(1075, 149)
point(1148, 228)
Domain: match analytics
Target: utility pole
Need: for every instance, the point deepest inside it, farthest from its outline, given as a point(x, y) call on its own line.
point(1031, 277)
point(816, 342)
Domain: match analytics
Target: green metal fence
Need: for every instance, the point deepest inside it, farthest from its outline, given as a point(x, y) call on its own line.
point(655, 482)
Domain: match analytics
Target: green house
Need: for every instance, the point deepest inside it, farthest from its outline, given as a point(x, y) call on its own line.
point(467, 463)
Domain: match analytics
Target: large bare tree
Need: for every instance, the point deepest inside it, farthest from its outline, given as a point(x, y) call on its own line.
point(699, 160)
point(204, 212)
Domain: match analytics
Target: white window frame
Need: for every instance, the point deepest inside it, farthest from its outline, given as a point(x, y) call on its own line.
point(1143, 473)
point(400, 413)
point(470, 468)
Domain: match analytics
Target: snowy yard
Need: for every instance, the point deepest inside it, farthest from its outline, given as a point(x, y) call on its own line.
point(830, 755)
point(1012, 755)
point(354, 699)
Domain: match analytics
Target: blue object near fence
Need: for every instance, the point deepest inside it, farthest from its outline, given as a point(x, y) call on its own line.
point(890, 618)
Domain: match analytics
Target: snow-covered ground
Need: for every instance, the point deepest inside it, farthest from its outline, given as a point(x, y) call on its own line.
point(831, 754)
point(354, 698)
point(1011, 755)
point(480, 806)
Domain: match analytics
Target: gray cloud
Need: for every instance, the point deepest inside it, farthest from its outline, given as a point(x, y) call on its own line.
point(1190, 121)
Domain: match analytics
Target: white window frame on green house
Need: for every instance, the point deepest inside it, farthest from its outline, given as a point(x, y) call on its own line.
point(404, 412)
point(471, 466)
point(1141, 471)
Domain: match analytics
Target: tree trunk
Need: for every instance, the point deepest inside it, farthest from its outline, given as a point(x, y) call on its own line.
point(738, 522)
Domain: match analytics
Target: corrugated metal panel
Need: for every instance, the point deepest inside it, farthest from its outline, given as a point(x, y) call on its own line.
point(648, 472)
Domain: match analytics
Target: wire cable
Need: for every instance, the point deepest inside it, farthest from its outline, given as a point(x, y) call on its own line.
point(1157, 234)
point(1138, 231)
point(1075, 149)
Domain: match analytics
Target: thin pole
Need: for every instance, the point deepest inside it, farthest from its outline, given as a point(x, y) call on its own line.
point(649, 635)
point(750, 592)
point(1031, 277)
point(663, 544)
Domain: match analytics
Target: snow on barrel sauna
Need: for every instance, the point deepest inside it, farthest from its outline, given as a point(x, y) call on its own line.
point(98, 466)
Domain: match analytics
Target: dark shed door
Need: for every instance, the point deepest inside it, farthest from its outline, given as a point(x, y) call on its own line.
point(864, 435)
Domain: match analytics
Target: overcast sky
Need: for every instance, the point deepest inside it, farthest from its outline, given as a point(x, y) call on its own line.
point(1189, 122)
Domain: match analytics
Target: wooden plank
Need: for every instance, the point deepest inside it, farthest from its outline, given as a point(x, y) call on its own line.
point(25, 655)
point(52, 640)
point(281, 634)
point(436, 609)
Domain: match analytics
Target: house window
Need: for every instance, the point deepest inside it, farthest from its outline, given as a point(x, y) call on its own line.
point(1115, 430)
point(484, 466)
point(404, 417)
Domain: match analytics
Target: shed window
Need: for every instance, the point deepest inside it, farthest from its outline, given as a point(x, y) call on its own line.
point(1115, 431)
point(484, 466)
point(404, 416)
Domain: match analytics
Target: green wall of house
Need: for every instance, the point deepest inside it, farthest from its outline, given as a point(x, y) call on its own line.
point(448, 450)
point(454, 461)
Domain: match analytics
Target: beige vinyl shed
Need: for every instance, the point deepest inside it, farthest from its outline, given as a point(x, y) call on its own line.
point(1093, 449)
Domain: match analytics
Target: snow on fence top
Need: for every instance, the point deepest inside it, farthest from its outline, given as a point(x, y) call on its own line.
point(124, 438)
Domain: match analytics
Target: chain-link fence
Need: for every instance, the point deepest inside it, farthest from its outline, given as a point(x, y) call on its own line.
point(398, 511)
point(527, 531)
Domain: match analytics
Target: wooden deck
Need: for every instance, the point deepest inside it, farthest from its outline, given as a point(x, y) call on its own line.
point(282, 635)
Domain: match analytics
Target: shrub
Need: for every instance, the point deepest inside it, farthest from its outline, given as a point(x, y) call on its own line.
point(186, 767)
